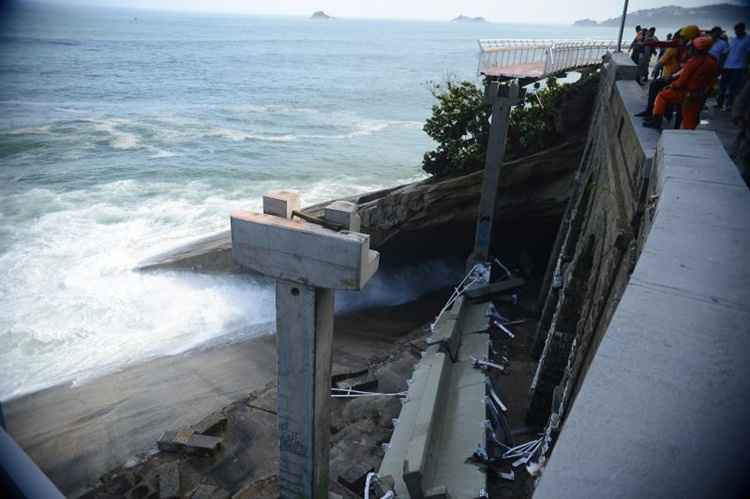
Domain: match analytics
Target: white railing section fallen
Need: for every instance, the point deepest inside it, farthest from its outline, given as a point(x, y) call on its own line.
point(539, 58)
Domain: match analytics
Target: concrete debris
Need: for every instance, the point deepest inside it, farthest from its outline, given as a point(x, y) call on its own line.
point(212, 425)
point(188, 441)
point(173, 441)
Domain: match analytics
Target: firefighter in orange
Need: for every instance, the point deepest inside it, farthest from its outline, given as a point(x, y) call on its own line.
point(689, 86)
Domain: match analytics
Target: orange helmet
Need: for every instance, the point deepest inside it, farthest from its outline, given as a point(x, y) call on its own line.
point(702, 43)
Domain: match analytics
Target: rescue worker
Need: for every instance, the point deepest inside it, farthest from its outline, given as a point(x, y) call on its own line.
point(689, 86)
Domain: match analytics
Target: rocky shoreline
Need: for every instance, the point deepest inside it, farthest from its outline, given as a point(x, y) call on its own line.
point(79, 433)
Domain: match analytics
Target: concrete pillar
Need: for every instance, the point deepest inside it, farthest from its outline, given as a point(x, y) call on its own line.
point(309, 262)
point(502, 97)
point(304, 333)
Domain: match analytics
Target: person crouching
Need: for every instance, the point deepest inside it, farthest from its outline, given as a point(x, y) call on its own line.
point(689, 86)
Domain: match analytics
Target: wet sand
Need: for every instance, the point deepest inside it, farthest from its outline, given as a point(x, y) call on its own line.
point(77, 433)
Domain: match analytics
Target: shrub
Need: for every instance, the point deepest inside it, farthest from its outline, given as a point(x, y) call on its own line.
point(460, 125)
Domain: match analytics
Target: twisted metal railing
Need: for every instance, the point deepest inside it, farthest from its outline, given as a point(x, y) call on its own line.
point(539, 58)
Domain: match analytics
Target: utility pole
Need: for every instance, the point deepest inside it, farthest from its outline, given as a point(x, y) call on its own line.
point(309, 262)
point(622, 26)
point(502, 96)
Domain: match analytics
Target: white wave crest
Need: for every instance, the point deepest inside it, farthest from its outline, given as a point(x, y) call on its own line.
point(119, 139)
point(239, 135)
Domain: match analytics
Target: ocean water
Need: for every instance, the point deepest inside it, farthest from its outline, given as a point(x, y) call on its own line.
point(124, 133)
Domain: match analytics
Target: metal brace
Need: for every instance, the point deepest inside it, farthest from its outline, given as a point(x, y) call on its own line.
point(485, 364)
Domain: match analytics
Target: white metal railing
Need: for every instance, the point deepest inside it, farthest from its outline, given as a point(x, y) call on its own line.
point(539, 58)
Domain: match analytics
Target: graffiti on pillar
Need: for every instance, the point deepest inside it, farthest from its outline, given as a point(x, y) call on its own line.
point(291, 441)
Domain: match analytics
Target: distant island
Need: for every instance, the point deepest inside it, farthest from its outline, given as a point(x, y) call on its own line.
point(320, 15)
point(466, 19)
point(723, 14)
point(585, 22)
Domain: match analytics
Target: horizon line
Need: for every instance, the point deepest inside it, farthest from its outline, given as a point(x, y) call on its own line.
point(79, 4)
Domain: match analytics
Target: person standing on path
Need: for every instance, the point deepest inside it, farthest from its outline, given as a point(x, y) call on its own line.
point(635, 46)
point(735, 67)
point(647, 51)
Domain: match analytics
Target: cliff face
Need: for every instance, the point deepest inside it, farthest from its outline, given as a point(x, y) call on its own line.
point(534, 187)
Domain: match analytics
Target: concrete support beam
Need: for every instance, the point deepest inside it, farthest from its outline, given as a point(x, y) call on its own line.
point(298, 251)
point(309, 262)
point(502, 97)
point(304, 332)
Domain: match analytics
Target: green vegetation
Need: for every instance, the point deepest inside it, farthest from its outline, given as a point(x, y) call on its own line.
point(460, 125)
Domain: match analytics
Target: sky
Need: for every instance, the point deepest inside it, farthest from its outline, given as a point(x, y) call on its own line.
point(529, 11)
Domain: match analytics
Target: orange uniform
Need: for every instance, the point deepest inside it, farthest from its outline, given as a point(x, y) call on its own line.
point(690, 88)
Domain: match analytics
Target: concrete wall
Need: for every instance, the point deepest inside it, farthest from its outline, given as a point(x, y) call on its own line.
point(597, 244)
point(663, 410)
point(643, 371)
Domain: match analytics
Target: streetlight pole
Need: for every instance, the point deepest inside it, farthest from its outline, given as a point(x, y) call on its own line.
point(622, 26)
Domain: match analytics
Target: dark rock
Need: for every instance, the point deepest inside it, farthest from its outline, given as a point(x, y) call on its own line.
point(169, 480)
point(381, 410)
point(203, 443)
point(365, 382)
point(140, 492)
point(118, 485)
point(354, 477)
point(173, 441)
point(188, 440)
point(207, 491)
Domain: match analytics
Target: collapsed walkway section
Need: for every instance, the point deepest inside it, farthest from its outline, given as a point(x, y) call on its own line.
point(441, 422)
point(439, 446)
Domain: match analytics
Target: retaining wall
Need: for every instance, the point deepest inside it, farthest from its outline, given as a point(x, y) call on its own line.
point(598, 242)
point(662, 410)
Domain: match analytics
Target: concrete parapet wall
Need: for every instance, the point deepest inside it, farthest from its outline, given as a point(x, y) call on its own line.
point(663, 409)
